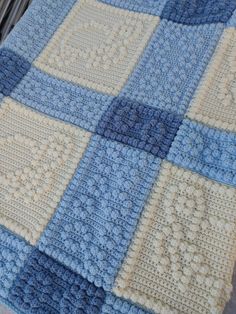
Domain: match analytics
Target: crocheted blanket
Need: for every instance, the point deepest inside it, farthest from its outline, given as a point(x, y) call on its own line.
point(118, 158)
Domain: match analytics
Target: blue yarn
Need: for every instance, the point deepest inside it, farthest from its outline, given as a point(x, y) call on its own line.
point(232, 21)
point(37, 26)
point(172, 65)
point(115, 305)
point(61, 99)
point(198, 12)
point(140, 126)
point(13, 252)
point(210, 152)
point(45, 286)
point(97, 216)
point(144, 6)
point(12, 70)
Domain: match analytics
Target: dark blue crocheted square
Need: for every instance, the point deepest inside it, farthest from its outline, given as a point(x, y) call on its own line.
point(198, 12)
point(140, 126)
point(12, 70)
point(47, 287)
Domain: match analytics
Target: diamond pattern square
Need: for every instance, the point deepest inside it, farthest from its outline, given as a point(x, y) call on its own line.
point(38, 157)
point(97, 45)
point(182, 256)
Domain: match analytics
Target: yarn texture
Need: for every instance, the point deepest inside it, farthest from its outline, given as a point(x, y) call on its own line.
point(118, 158)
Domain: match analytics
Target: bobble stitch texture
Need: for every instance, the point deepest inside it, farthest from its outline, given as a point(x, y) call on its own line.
point(61, 99)
point(13, 252)
point(208, 151)
point(163, 81)
point(45, 286)
point(199, 12)
point(12, 70)
point(140, 126)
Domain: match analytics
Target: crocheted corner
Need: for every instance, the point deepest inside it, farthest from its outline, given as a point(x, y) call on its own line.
point(92, 228)
point(215, 98)
point(36, 27)
point(62, 100)
point(13, 252)
point(45, 286)
point(140, 126)
point(182, 255)
point(172, 65)
point(38, 157)
point(198, 12)
point(208, 151)
point(12, 69)
point(97, 46)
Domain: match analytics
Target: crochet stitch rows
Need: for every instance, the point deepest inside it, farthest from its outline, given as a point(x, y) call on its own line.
point(118, 158)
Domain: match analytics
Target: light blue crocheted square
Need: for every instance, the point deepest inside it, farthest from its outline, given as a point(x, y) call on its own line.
point(61, 99)
point(172, 65)
point(37, 26)
point(13, 252)
point(97, 216)
point(208, 151)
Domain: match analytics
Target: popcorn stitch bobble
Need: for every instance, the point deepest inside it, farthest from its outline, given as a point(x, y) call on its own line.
point(45, 286)
point(12, 69)
point(141, 126)
point(198, 12)
point(92, 228)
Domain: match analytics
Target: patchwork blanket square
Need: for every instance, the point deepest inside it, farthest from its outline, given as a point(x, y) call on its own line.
point(118, 158)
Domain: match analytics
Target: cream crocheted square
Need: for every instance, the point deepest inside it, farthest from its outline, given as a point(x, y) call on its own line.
point(38, 156)
point(182, 255)
point(215, 100)
point(97, 45)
